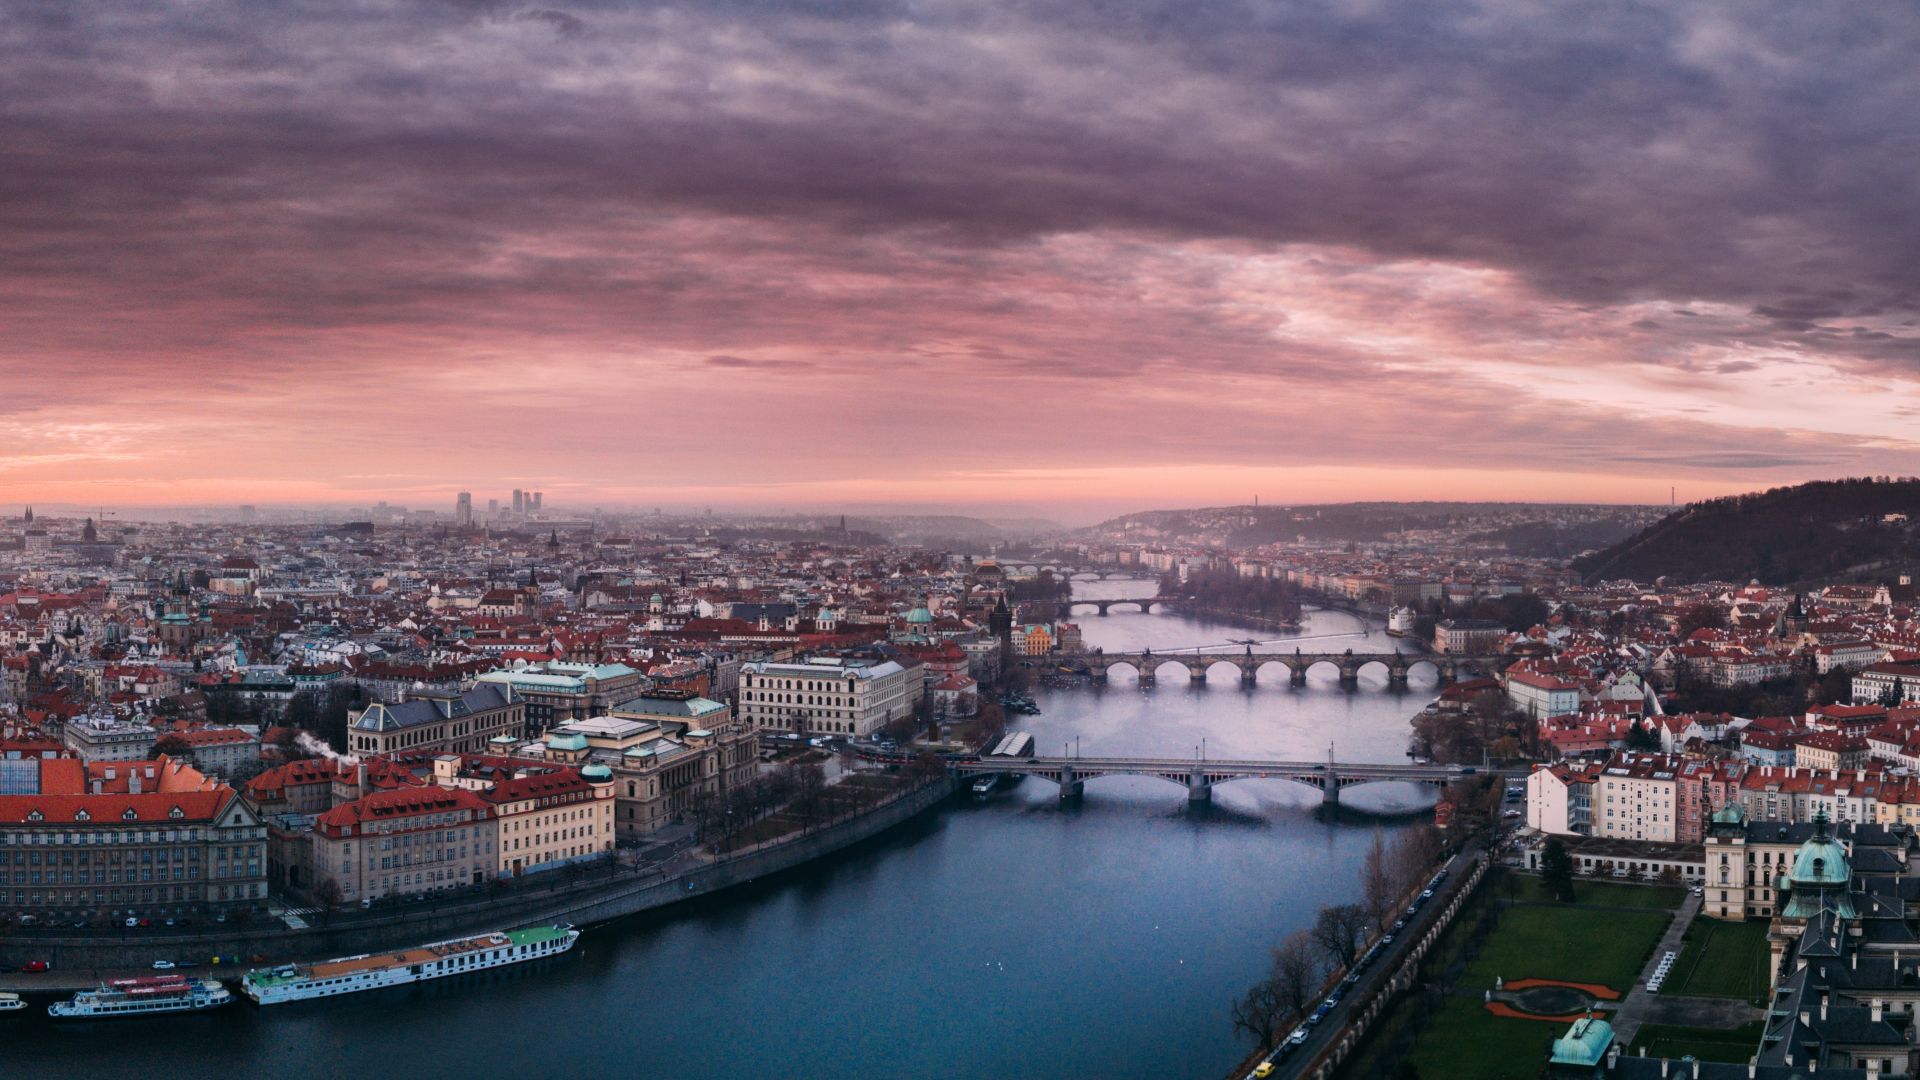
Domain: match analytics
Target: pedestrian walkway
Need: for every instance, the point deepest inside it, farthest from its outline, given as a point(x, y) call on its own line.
point(1633, 1012)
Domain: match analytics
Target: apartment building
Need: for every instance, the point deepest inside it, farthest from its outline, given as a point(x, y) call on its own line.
point(1634, 798)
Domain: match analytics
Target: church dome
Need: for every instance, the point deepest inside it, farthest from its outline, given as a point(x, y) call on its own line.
point(919, 616)
point(1821, 860)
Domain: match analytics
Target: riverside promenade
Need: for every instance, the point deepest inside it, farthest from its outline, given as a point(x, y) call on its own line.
point(82, 961)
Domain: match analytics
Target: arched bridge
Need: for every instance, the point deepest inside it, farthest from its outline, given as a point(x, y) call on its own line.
point(1449, 668)
point(1146, 604)
point(1198, 776)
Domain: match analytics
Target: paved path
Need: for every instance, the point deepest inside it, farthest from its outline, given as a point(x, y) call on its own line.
point(1702, 1011)
point(1633, 1012)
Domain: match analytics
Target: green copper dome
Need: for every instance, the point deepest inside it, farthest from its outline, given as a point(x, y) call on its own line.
point(1821, 861)
point(1820, 878)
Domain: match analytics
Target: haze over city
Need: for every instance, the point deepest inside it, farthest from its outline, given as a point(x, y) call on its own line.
point(954, 254)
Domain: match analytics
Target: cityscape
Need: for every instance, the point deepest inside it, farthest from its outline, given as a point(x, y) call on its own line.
point(1286, 539)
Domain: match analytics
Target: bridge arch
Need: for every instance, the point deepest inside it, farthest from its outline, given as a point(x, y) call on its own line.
point(1274, 673)
point(1427, 669)
point(1322, 665)
point(1235, 670)
point(1374, 670)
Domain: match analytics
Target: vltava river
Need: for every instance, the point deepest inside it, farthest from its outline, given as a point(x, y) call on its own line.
point(1014, 939)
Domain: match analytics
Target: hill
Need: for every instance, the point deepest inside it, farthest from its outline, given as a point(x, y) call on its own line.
point(1550, 530)
point(1822, 531)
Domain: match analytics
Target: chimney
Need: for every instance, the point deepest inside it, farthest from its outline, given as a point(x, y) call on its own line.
point(1874, 1011)
point(1613, 1057)
point(1663, 1066)
point(1696, 1069)
point(133, 781)
point(1855, 958)
point(1823, 1006)
point(360, 780)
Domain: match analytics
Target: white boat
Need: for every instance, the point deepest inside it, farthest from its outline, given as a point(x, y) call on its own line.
point(352, 974)
point(11, 1003)
point(143, 996)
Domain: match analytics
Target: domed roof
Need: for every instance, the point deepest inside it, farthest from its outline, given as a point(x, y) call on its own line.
point(1821, 860)
point(920, 616)
point(596, 774)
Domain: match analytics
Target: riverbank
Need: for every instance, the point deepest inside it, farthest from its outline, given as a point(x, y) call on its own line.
point(80, 963)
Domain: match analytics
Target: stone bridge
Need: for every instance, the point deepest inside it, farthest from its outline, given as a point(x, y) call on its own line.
point(1448, 668)
point(1146, 604)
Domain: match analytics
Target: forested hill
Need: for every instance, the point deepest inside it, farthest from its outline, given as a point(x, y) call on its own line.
point(1826, 530)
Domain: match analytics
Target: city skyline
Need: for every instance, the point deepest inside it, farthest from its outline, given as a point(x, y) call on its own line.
point(950, 255)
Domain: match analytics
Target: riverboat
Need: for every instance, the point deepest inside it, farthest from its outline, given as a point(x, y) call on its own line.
point(11, 1003)
point(352, 974)
point(143, 996)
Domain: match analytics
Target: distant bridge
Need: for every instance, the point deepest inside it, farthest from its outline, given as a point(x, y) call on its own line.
point(1144, 603)
point(1199, 776)
point(1447, 667)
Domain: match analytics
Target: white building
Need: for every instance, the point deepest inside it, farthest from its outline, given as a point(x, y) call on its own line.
point(828, 695)
point(1635, 798)
point(105, 738)
point(1540, 695)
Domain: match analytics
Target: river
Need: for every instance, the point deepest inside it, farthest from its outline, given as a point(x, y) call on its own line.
point(1014, 939)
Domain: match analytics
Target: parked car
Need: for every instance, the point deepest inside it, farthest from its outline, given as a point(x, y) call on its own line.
point(36, 965)
point(163, 965)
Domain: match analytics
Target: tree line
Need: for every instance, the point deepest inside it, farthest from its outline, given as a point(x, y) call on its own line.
point(1308, 957)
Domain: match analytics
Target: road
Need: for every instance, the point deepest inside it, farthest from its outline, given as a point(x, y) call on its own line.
point(1290, 1059)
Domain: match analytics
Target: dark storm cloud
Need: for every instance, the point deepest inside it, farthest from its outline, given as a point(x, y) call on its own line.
point(1754, 153)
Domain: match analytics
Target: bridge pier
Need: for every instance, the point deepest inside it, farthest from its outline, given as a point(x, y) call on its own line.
point(1146, 678)
point(1248, 678)
point(1103, 610)
point(1349, 678)
point(1196, 674)
point(1299, 676)
point(1199, 788)
point(1330, 789)
point(1397, 678)
point(1070, 788)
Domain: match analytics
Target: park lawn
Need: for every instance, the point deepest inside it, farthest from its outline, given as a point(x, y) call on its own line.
point(1723, 959)
point(1613, 894)
point(1574, 943)
point(1463, 1041)
point(1707, 1044)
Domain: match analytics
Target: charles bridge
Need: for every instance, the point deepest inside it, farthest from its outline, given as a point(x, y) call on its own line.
point(1447, 667)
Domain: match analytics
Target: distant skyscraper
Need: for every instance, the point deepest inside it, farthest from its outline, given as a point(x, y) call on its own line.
point(493, 508)
point(519, 505)
point(538, 498)
point(463, 508)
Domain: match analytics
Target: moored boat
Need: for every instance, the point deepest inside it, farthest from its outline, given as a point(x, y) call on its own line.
point(11, 1003)
point(144, 996)
point(352, 974)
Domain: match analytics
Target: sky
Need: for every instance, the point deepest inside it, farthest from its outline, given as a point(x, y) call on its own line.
point(1076, 258)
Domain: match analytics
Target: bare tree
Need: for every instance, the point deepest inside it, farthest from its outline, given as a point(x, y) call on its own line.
point(1259, 1013)
point(1414, 854)
point(1339, 929)
point(1379, 885)
point(1296, 972)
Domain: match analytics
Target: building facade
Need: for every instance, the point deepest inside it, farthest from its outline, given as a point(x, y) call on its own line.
point(828, 695)
point(110, 840)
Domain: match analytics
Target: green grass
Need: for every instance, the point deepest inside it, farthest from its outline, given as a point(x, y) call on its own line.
point(1723, 959)
point(1578, 944)
point(1707, 1044)
point(1466, 1042)
point(1611, 893)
